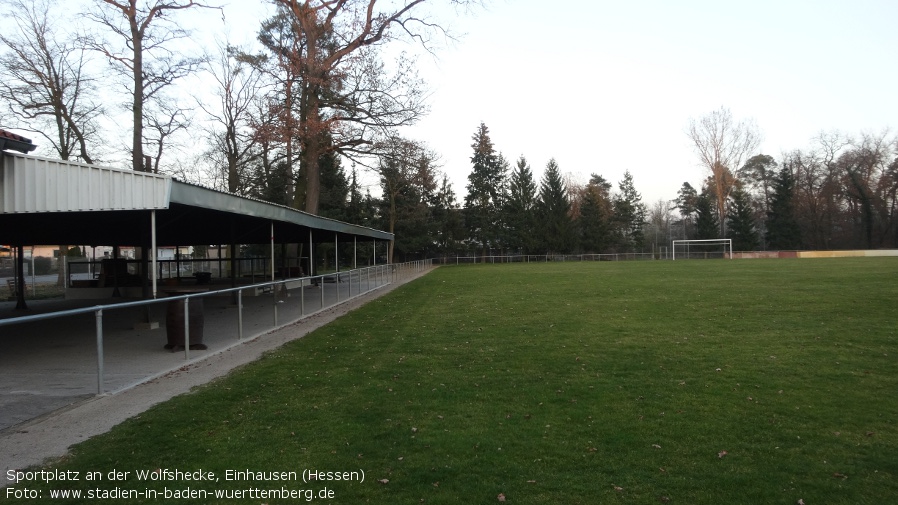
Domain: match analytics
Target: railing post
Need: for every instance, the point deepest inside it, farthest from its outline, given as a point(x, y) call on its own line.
point(321, 285)
point(239, 314)
point(274, 296)
point(99, 320)
point(302, 299)
point(186, 329)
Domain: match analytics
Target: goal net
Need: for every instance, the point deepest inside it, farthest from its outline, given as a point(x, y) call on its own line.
point(703, 249)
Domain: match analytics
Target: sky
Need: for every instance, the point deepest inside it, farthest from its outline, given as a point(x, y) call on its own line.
point(605, 87)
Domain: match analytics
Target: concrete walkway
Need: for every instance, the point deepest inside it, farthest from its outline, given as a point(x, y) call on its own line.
point(48, 370)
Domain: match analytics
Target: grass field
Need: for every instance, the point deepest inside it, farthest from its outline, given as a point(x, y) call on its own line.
point(693, 382)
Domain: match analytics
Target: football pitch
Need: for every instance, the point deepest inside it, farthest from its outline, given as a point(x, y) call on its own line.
point(693, 382)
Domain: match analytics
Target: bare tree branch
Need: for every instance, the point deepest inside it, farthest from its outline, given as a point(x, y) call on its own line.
point(721, 144)
point(44, 83)
point(142, 54)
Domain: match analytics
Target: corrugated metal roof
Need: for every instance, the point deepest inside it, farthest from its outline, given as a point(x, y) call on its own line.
point(31, 184)
point(199, 196)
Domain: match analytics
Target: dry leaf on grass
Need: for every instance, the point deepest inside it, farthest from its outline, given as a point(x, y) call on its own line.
point(501, 497)
point(721, 454)
point(384, 481)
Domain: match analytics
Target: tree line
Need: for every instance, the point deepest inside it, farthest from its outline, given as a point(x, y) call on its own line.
point(505, 209)
point(839, 193)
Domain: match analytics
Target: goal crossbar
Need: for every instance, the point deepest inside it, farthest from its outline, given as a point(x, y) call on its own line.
point(726, 242)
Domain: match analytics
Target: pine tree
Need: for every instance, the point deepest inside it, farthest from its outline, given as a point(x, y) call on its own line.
point(334, 188)
point(706, 224)
point(483, 202)
point(355, 209)
point(595, 215)
point(629, 214)
point(448, 219)
point(519, 203)
point(553, 212)
point(408, 183)
point(741, 223)
point(783, 232)
point(686, 200)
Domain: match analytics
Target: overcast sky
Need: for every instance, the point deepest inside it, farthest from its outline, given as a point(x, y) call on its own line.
point(606, 87)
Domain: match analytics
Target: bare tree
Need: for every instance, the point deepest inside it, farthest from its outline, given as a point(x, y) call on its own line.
point(345, 98)
point(162, 127)
point(870, 188)
point(46, 88)
point(659, 224)
point(238, 83)
point(44, 83)
point(145, 31)
point(721, 143)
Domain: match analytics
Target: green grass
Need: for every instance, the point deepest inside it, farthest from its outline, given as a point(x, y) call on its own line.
point(565, 383)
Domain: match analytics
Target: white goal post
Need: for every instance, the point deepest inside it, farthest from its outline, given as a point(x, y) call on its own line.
point(725, 243)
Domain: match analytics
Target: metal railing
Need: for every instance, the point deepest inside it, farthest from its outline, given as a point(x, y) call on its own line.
point(253, 267)
point(544, 258)
point(347, 285)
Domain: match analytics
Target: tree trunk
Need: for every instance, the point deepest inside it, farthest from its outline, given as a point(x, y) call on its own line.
point(137, 137)
point(312, 151)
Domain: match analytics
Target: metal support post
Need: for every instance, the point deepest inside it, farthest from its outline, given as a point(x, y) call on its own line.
point(239, 314)
point(154, 253)
point(186, 329)
point(311, 254)
point(99, 319)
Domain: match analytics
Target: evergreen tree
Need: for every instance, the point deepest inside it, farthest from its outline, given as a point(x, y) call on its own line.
point(408, 183)
point(448, 220)
point(270, 181)
point(595, 215)
point(553, 212)
point(686, 200)
point(741, 223)
point(629, 214)
point(483, 202)
point(519, 203)
point(783, 232)
point(355, 208)
point(334, 188)
point(706, 224)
